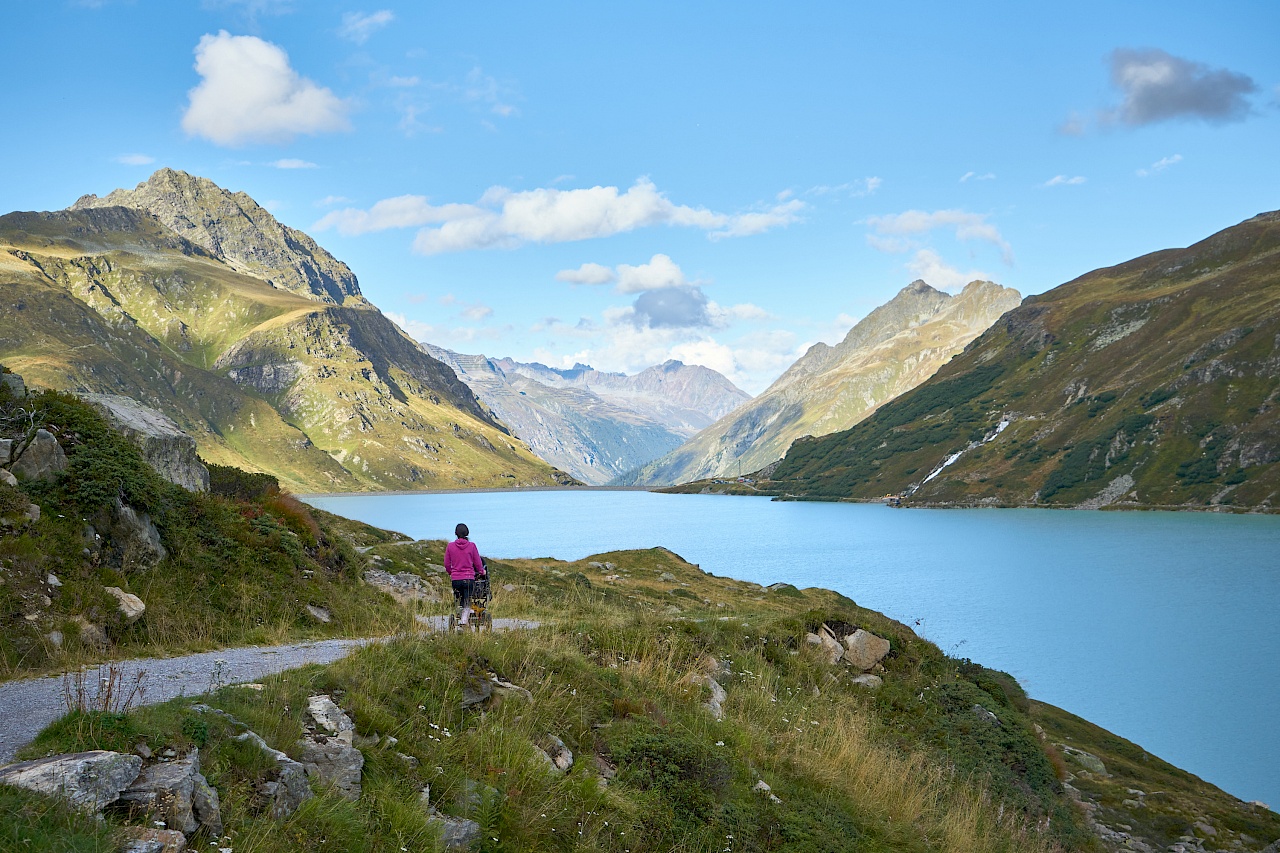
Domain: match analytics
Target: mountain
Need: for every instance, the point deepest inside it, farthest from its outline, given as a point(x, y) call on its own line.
point(1153, 383)
point(893, 349)
point(255, 340)
point(592, 424)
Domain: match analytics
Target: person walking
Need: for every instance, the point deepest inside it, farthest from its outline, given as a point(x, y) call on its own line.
point(462, 562)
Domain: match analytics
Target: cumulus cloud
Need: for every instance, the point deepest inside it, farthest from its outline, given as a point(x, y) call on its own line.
point(661, 272)
point(504, 219)
point(1158, 86)
point(928, 265)
point(588, 274)
point(892, 229)
point(671, 308)
point(1063, 181)
point(250, 93)
point(292, 163)
point(135, 159)
point(1159, 166)
point(357, 26)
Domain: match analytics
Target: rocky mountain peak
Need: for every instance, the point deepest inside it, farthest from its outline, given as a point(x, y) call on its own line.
point(238, 230)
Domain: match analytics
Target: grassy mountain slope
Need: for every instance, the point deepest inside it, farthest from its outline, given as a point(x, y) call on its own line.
point(326, 396)
point(893, 349)
point(1151, 383)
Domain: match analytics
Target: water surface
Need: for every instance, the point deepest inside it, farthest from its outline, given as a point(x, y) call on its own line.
point(1158, 626)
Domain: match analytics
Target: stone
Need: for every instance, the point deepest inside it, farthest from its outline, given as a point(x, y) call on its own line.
point(476, 691)
point(718, 695)
point(130, 606)
point(1087, 760)
point(333, 762)
point(871, 682)
point(331, 718)
point(864, 650)
point(813, 639)
point(605, 768)
point(87, 780)
point(762, 786)
point(165, 447)
point(6, 451)
point(177, 793)
point(94, 636)
point(667, 577)
point(508, 587)
point(8, 479)
point(404, 587)
point(52, 580)
point(136, 537)
point(149, 839)
point(320, 614)
point(33, 513)
point(560, 756)
point(291, 788)
point(830, 645)
point(408, 760)
point(42, 459)
point(985, 715)
point(456, 833)
point(1204, 829)
point(14, 383)
point(503, 690)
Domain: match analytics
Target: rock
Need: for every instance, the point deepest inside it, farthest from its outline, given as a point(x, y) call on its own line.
point(476, 691)
point(52, 580)
point(864, 650)
point(503, 690)
point(509, 587)
point(55, 638)
point(762, 786)
point(177, 793)
point(404, 587)
point(92, 635)
point(320, 614)
point(985, 715)
point(1204, 829)
point(14, 383)
point(714, 703)
point(334, 762)
point(813, 639)
point(131, 607)
point(8, 479)
point(1087, 760)
point(456, 833)
point(291, 788)
point(136, 537)
point(6, 451)
point(331, 718)
point(408, 760)
point(559, 755)
point(165, 447)
point(33, 513)
point(605, 768)
point(148, 839)
point(871, 682)
point(42, 459)
point(830, 645)
point(88, 780)
point(667, 577)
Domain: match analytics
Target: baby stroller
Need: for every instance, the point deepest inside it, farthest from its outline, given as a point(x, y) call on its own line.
point(480, 619)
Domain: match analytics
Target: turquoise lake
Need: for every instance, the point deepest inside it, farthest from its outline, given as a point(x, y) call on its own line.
point(1161, 627)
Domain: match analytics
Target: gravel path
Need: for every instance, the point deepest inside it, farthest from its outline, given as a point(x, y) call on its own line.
point(29, 705)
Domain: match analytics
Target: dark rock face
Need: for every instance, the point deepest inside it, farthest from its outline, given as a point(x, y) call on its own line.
point(165, 447)
point(42, 459)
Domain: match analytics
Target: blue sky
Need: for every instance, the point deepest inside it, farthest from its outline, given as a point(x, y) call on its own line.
point(723, 183)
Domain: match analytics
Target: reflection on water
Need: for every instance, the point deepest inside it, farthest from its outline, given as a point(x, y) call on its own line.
point(1158, 626)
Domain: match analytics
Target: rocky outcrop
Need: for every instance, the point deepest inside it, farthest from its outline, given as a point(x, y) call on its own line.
point(327, 752)
point(559, 757)
point(177, 793)
point(135, 538)
point(14, 383)
point(404, 587)
point(41, 459)
point(290, 788)
point(165, 447)
point(87, 780)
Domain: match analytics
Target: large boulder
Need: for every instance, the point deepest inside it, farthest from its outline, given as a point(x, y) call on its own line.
point(177, 793)
point(332, 762)
point(863, 650)
point(14, 383)
point(290, 789)
point(165, 447)
point(331, 718)
point(41, 459)
point(136, 537)
point(87, 780)
point(6, 451)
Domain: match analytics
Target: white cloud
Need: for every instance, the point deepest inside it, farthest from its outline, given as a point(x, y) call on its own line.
point(357, 26)
point(1159, 165)
point(966, 226)
point(135, 159)
point(661, 272)
point(974, 176)
point(506, 219)
point(928, 265)
point(403, 82)
point(330, 200)
point(855, 189)
point(588, 274)
point(250, 93)
point(1063, 181)
point(291, 163)
point(1158, 86)
point(477, 312)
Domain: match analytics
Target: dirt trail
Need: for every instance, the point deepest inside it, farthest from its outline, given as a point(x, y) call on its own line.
point(28, 705)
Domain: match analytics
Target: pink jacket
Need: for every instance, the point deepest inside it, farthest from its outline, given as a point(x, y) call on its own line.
point(462, 560)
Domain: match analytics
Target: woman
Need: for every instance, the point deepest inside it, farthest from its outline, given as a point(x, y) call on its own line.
point(462, 562)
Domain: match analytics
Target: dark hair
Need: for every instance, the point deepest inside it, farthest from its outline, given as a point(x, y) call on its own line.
point(462, 531)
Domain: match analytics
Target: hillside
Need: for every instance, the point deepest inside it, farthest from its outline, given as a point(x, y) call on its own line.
point(592, 424)
point(292, 373)
point(1153, 383)
point(893, 349)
